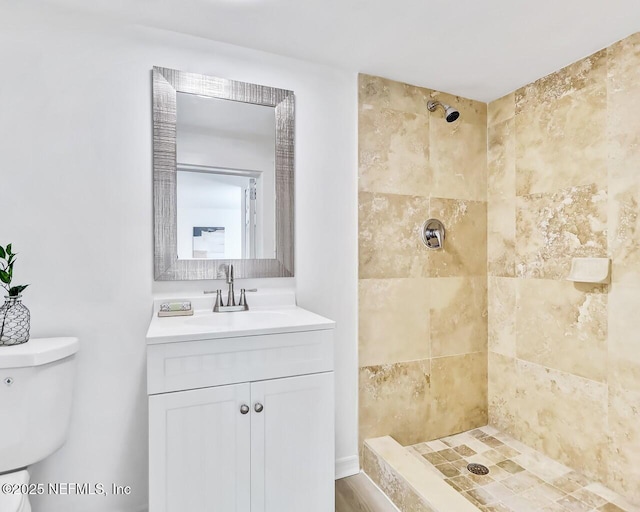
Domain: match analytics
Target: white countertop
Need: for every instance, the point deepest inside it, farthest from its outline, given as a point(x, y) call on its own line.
point(266, 317)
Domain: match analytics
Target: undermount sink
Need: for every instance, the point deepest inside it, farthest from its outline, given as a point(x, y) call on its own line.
point(245, 317)
point(273, 312)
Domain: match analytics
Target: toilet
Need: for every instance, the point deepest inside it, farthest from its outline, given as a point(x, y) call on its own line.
point(36, 392)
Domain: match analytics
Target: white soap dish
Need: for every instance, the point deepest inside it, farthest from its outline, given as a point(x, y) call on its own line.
point(590, 270)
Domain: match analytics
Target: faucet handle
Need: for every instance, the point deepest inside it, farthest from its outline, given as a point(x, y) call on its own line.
point(218, 304)
point(438, 235)
point(219, 297)
point(243, 298)
point(433, 234)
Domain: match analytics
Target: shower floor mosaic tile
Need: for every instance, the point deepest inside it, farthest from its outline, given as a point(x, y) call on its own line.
point(520, 479)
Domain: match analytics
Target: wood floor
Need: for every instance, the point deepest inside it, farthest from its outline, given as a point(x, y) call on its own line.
point(358, 494)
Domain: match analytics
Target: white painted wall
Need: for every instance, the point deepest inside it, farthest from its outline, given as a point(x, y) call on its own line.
point(75, 199)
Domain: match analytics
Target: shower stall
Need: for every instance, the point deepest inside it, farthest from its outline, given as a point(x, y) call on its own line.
point(482, 355)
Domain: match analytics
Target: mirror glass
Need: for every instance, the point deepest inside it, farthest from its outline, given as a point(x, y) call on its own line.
point(225, 190)
point(223, 178)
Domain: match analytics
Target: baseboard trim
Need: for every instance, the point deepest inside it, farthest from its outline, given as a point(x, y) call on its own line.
point(347, 466)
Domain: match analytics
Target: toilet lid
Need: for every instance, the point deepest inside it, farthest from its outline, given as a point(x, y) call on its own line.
point(37, 351)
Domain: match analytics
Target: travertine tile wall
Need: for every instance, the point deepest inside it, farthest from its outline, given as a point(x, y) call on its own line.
point(423, 314)
point(564, 181)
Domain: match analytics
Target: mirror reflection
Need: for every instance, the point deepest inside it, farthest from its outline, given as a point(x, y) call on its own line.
point(225, 179)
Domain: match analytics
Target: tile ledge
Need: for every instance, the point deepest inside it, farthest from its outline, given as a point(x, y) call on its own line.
point(426, 484)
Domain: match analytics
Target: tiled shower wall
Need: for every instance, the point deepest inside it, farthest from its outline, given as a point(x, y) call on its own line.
point(423, 314)
point(564, 181)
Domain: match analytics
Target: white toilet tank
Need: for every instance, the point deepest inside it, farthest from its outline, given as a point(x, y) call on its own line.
point(36, 392)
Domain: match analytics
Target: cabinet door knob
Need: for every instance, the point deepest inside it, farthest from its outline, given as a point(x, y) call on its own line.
point(244, 409)
point(258, 407)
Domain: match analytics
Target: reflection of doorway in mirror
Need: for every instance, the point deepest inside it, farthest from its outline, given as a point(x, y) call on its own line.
point(212, 197)
point(219, 197)
point(250, 219)
point(208, 243)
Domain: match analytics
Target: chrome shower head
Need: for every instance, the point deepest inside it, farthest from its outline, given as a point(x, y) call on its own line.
point(450, 113)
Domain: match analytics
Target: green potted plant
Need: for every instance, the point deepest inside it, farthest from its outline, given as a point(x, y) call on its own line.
point(14, 316)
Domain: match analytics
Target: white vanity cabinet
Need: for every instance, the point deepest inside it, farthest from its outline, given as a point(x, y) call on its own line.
point(200, 450)
point(242, 424)
point(292, 444)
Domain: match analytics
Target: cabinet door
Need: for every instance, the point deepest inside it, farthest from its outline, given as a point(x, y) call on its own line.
point(292, 444)
point(199, 450)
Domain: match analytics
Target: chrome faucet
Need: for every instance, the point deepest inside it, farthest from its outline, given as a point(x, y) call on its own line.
point(231, 297)
point(219, 307)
